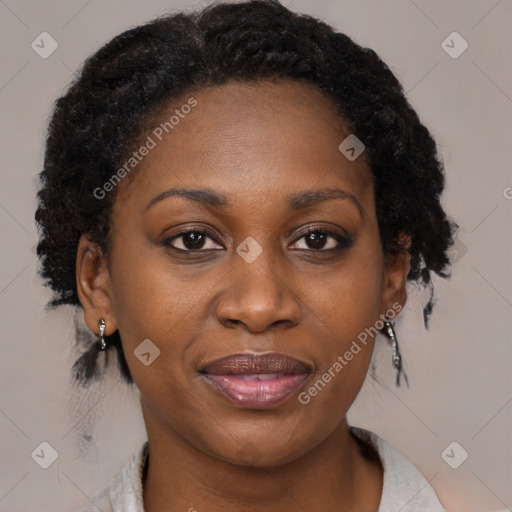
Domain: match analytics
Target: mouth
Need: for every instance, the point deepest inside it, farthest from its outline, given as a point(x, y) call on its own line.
point(256, 381)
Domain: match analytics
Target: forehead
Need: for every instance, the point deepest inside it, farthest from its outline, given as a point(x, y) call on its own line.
point(270, 137)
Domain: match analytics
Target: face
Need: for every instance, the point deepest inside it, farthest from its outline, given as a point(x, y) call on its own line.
point(245, 232)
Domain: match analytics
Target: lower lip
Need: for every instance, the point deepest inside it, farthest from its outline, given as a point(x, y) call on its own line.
point(253, 393)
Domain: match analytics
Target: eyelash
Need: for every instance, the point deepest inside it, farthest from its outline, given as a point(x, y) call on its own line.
point(344, 242)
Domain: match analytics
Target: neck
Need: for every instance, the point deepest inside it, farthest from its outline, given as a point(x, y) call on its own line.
point(335, 475)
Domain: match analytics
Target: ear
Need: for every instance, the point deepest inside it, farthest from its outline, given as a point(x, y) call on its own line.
point(94, 286)
point(395, 276)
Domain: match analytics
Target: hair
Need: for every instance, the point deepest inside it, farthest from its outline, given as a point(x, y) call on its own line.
point(135, 75)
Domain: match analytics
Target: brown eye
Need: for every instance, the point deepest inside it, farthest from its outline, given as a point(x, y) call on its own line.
point(192, 240)
point(322, 240)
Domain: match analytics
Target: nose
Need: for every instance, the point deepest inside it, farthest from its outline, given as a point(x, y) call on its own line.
point(257, 298)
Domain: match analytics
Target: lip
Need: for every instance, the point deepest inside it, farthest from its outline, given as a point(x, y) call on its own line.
point(256, 381)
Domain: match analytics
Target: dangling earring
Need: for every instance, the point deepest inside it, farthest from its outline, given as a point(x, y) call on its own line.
point(102, 343)
point(396, 359)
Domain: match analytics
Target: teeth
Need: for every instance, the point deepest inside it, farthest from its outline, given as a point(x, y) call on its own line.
point(260, 376)
point(269, 376)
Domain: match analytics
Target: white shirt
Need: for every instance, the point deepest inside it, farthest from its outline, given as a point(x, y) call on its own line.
point(404, 487)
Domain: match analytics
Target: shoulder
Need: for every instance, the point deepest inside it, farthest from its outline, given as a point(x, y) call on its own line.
point(124, 492)
point(404, 487)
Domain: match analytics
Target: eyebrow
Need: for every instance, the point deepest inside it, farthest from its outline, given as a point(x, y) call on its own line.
point(297, 201)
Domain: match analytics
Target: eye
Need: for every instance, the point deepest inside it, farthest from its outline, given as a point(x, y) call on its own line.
point(192, 240)
point(316, 239)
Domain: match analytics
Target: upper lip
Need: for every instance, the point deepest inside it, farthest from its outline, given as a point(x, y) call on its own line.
point(250, 363)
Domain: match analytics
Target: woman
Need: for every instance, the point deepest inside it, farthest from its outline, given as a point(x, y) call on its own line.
point(236, 198)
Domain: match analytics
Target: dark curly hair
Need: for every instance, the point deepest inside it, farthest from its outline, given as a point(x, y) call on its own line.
point(131, 78)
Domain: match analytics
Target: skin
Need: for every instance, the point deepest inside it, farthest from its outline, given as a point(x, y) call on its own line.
point(256, 145)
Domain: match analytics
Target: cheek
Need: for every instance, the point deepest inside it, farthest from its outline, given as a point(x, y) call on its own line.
point(151, 297)
point(347, 299)
point(154, 310)
point(346, 307)
point(157, 301)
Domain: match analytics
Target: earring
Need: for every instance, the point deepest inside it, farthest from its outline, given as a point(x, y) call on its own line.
point(396, 359)
point(102, 343)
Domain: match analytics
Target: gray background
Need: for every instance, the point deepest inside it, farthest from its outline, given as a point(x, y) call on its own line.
point(460, 371)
